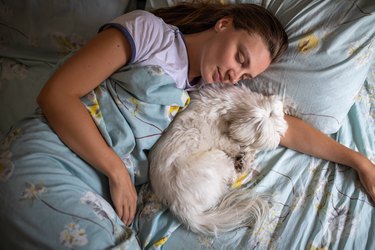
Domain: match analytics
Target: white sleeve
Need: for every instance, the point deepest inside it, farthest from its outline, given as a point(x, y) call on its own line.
point(147, 34)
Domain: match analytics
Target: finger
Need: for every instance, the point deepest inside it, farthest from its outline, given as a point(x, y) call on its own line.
point(126, 220)
point(119, 210)
point(126, 215)
point(132, 210)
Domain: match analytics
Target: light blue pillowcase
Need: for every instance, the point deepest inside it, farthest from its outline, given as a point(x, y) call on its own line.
point(331, 48)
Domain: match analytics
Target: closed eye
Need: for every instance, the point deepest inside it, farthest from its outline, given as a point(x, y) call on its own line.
point(244, 60)
point(241, 58)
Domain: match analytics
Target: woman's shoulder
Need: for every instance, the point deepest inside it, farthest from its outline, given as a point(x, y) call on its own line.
point(139, 16)
point(139, 13)
point(154, 42)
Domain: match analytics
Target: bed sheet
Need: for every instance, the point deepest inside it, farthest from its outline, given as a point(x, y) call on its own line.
point(317, 204)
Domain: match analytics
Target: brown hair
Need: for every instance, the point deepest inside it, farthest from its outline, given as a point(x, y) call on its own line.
point(198, 16)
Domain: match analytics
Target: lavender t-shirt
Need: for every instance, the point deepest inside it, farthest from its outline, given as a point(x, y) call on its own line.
point(153, 42)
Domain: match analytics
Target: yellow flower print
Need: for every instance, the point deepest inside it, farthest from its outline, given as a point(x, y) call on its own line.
point(245, 177)
point(136, 103)
point(308, 43)
point(94, 107)
point(173, 110)
point(95, 111)
point(240, 180)
point(312, 247)
point(161, 242)
point(187, 100)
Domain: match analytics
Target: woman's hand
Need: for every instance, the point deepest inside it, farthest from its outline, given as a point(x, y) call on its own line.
point(366, 175)
point(124, 196)
point(302, 137)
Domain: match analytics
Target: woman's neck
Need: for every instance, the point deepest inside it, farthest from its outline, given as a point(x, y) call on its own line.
point(194, 45)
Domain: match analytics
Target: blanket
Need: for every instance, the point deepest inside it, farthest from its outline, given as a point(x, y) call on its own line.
point(51, 198)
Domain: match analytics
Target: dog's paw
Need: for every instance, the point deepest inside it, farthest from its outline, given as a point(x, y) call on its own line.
point(239, 162)
point(244, 159)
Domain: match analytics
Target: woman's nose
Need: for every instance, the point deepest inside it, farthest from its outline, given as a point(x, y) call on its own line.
point(233, 76)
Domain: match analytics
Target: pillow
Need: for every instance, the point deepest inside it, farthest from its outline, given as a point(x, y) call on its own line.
point(332, 45)
point(48, 30)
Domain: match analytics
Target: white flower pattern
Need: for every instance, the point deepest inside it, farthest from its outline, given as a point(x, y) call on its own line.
point(10, 138)
point(73, 236)
point(100, 207)
point(67, 43)
point(33, 192)
point(11, 69)
point(6, 165)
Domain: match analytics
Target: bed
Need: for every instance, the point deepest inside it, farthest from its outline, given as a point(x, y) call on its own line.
point(328, 73)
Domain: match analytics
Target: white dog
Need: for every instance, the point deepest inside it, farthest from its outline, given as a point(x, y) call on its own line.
point(194, 163)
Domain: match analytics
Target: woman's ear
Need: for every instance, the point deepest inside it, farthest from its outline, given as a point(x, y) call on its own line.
point(223, 23)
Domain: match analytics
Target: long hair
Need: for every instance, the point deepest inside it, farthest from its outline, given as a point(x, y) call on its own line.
point(197, 16)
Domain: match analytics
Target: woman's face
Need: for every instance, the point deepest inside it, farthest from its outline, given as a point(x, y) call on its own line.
point(231, 55)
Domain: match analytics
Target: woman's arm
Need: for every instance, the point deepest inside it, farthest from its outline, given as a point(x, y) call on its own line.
point(304, 138)
point(61, 104)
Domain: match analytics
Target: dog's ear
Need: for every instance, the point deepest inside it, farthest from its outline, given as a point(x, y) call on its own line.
point(260, 125)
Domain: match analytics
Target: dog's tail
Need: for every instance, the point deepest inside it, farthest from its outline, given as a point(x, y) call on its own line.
point(238, 208)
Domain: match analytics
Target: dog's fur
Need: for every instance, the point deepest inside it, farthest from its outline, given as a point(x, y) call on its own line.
point(194, 163)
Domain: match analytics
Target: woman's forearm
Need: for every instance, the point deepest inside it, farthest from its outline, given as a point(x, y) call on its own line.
point(302, 137)
point(75, 127)
point(61, 104)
